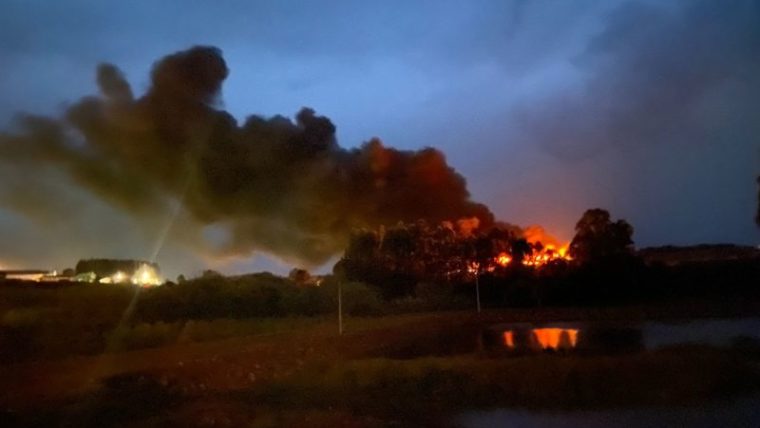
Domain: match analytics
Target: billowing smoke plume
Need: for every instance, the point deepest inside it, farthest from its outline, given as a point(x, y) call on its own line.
point(269, 184)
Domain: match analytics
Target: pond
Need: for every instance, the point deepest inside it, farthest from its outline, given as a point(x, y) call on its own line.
point(744, 412)
point(615, 337)
point(582, 337)
point(573, 338)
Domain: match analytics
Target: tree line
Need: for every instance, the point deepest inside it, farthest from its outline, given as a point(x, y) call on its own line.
point(396, 259)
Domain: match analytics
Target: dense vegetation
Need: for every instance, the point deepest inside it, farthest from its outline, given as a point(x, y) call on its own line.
point(407, 268)
point(422, 262)
point(48, 321)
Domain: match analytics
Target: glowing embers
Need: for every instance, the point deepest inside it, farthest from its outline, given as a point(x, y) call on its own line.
point(546, 255)
point(503, 259)
point(473, 268)
point(550, 338)
point(537, 258)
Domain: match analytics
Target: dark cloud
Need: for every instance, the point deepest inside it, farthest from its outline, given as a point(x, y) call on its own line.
point(664, 113)
point(658, 74)
point(112, 84)
point(272, 184)
point(646, 108)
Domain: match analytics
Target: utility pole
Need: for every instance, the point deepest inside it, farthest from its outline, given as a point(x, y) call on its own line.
point(474, 268)
point(340, 309)
point(477, 289)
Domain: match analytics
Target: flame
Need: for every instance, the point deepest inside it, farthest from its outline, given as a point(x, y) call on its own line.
point(552, 248)
point(548, 253)
point(540, 254)
point(535, 233)
point(536, 259)
point(503, 259)
point(473, 267)
point(509, 339)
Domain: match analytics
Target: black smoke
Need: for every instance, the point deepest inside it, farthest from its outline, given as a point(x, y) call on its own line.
point(277, 185)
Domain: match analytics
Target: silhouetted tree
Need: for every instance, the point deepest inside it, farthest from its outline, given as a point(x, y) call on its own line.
point(598, 238)
point(398, 258)
point(300, 276)
point(520, 249)
point(211, 274)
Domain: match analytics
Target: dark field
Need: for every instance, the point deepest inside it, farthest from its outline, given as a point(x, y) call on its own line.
point(89, 366)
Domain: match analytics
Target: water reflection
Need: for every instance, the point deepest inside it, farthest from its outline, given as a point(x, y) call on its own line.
point(736, 413)
point(581, 337)
point(564, 338)
point(543, 338)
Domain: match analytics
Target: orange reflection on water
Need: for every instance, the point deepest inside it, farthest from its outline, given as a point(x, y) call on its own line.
point(546, 338)
point(555, 338)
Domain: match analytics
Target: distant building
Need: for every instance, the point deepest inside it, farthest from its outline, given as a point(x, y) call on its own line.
point(57, 277)
point(35, 275)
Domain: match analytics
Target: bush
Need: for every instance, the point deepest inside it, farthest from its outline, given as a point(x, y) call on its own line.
point(357, 298)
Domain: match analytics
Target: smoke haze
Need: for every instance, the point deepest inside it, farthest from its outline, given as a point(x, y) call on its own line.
point(646, 108)
point(274, 185)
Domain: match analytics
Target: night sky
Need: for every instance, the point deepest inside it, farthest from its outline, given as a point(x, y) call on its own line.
point(547, 108)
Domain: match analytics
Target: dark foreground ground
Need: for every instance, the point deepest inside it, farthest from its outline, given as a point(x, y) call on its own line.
point(406, 370)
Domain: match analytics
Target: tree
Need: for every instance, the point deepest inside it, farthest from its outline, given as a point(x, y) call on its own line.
point(300, 276)
point(211, 274)
point(598, 238)
point(520, 249)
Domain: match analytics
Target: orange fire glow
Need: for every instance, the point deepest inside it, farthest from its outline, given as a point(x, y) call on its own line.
point(537, 258)
point(555, 338)
point(503, 259)
point(546, 338)
point(552, 248)
point(549, 253)
point(473, 267)
point(537, 233)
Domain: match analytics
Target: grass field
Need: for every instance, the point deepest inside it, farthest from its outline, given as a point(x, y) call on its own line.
point(299, 372)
